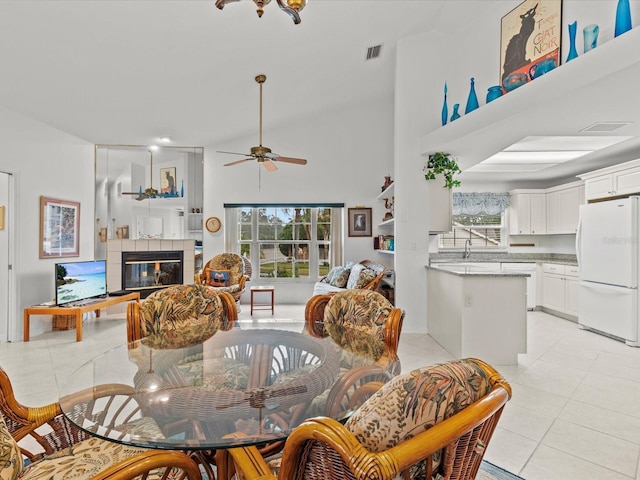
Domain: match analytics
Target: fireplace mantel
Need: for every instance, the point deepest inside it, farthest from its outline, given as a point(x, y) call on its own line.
point(116, 247)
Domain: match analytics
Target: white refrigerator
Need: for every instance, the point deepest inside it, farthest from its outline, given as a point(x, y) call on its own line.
point(607, 247)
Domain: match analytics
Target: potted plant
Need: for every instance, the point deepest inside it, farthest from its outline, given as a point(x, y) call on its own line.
point(441, 163)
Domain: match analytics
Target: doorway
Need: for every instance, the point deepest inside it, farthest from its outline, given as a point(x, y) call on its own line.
point(5, 256)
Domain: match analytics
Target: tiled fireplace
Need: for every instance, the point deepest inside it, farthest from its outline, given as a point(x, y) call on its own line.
point(154, 256)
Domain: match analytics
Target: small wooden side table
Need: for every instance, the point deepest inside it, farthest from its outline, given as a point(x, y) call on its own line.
point(262, 289)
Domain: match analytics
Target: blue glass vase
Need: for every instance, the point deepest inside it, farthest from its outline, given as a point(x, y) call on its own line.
point(573, 53)
point(182, 188)
point(472, 100)
point(445, 108)
point(455, 115)
point(493, 93)
point(623, 18)
point(590, 33)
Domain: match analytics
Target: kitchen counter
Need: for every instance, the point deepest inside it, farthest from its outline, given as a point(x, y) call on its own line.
point(478, 311)
point(503, 257)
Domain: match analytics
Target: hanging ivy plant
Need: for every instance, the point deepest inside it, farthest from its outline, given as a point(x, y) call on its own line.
point(441, 163)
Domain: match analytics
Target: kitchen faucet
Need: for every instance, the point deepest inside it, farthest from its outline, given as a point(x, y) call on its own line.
point(467, 248)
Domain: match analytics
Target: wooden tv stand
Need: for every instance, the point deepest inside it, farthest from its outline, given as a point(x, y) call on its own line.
point(78, 310)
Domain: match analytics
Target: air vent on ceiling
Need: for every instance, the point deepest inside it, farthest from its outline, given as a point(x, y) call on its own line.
point(605, 126)
point(373, 52)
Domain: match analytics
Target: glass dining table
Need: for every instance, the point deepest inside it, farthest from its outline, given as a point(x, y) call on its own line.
point(238, 387)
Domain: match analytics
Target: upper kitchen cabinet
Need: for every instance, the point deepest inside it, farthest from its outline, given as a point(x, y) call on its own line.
point(527, 212)
point(563, 208)
point(595, 88)
point(619, 180)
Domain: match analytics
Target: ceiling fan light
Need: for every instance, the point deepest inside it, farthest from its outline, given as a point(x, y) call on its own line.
point(297, 5)
point(260, 4)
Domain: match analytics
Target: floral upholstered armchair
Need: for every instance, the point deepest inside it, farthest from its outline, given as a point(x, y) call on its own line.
point(433, 422)
point(39, 442)
point(225, 273)
point(181, 315)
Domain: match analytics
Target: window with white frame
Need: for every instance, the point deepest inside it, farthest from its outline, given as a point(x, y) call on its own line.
point(478, 218)
point(288, 241)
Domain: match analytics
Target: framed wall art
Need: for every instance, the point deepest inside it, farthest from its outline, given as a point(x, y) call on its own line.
point(359, 219)
point(59, 228)
point(168, 180)
point(530, 34)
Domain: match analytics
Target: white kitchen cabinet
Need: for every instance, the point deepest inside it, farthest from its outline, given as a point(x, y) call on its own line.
point(560, 288)
point(527, 213)
point(563, 206)
point(622, 179)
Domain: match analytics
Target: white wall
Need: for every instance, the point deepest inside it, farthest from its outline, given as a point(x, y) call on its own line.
point(44, 161)
point(349, 152)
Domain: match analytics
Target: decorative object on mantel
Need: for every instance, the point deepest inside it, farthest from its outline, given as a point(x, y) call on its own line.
point(590, 34)
point(440, 163)
point(445, 107)
point(291, 7)
point(387, 182)
point(493, 92)
point(472, 99)
point(542, 67)
point(529, 33)
point(515, 80)
point(623, 17)
point(573, 52)
point(455, 115)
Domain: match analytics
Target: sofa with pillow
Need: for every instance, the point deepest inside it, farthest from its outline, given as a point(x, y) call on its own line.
point(365, 274)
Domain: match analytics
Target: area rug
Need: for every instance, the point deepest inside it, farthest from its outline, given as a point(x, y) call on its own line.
point(489, 471)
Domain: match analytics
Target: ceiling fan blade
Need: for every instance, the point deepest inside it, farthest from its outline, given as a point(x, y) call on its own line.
point(297, 161)
point(238, 161)
point(233, 153)
point(269, 165)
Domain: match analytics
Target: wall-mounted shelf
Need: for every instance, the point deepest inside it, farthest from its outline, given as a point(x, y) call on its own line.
point(387, 252)
point(386, 192)
point(387, 223)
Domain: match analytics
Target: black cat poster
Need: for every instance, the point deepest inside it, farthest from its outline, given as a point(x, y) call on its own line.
point(530, 34)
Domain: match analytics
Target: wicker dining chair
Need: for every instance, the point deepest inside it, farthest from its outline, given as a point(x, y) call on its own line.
point(180, 316)
point(434, 422)
point(225, 273)
point(39, 442)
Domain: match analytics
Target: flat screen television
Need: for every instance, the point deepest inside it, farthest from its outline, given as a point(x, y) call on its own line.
point(78, 281)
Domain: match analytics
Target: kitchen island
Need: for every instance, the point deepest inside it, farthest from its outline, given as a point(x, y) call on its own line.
point(478, 311)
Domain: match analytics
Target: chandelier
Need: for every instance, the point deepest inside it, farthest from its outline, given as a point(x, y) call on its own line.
point(292, 7)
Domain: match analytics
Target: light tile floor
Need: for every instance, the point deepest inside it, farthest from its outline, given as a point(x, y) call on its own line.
point(575, 411)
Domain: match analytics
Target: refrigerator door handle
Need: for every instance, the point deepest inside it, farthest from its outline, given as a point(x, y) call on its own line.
point(578, 239)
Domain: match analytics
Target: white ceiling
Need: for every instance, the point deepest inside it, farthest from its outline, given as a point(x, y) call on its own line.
point(131, 71)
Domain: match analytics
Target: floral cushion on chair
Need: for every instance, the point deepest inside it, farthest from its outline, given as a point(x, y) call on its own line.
point(364, 312)
point(231, 262)
point(414, 402)
point(10, 456)
point(180, 316)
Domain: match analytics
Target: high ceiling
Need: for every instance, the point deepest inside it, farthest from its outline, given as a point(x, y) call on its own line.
point(113, 71)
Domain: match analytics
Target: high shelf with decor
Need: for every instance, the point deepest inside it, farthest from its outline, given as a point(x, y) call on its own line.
point(385, 228)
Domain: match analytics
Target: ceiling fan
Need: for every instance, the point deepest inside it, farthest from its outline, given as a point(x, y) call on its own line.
point(148, 192)
point(263, 154)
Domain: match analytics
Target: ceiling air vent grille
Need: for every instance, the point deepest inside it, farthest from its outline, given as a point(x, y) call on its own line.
point(373, 52)
point(605, 126)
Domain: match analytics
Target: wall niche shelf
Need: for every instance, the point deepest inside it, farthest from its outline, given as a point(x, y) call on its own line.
point(597, 86)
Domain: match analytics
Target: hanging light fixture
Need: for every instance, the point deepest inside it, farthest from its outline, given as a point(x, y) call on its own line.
point(292, 7)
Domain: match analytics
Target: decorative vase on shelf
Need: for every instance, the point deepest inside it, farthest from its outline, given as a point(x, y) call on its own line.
point(455, 115)
point(493, 93)
point(623, 18)
point(590, 33)
point(472, 100)
point(573, 53)
point(445, 108)
point(182, 188)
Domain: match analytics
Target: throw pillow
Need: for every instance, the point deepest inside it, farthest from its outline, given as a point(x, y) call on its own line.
point(354, 275)
point(341, 277)
point(10, 456)
point(365, 277)
point(332, 273)
point(217, 278)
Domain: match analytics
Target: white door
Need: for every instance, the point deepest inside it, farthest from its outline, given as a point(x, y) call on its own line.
point(5, 223)
point(612, 310)
point(608, 242)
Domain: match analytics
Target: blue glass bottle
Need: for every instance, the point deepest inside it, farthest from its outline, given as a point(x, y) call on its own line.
point(182, 188)
point(623, 18)
point(455, 115)
point(573, 53)
point(493, 93)
point(445, 108)
point(472, 100)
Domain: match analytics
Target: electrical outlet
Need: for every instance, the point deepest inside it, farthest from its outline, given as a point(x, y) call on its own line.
point(468, 300)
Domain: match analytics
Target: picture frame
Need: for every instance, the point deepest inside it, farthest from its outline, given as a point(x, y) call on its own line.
point(168, 180)
point(359, 220)
point(529, 34)
point(59, 228)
